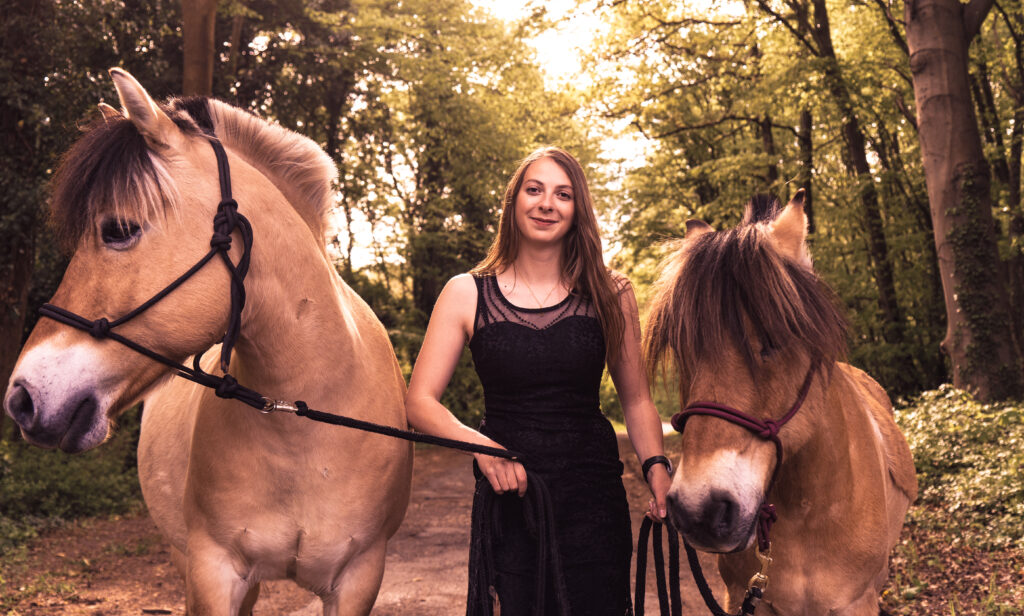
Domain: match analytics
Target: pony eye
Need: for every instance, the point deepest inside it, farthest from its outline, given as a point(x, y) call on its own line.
point(120, 234)
point(768, 351)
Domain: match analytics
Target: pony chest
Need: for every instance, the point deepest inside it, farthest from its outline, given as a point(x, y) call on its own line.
point(281, 550)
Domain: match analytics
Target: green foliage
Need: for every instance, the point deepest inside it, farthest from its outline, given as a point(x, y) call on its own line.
point(722, 119)
point(969, 458)
point(40, 488)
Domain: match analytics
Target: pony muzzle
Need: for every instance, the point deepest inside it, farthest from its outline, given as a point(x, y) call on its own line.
point(54, 411)
point(719, 522)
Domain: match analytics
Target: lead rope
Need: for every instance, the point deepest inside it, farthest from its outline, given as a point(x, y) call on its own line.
point(671, 604)
point(540, 519)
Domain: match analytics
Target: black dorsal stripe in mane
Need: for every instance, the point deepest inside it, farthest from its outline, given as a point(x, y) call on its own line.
point(761, 208)
point(198, 109)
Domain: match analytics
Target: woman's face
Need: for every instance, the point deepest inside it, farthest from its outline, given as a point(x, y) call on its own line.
point(544, 204)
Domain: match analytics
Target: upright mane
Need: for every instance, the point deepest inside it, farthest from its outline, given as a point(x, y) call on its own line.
point(110, 170)
point(733, 289)
point(296, 165)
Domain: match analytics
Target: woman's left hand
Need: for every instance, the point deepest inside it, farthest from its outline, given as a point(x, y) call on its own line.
point(659, 481)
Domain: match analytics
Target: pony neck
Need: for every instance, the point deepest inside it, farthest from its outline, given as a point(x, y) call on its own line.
point(298, 328)
point(822, 469)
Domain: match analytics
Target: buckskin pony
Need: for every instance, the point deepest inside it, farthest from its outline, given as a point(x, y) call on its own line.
point(242, 496)
point(755, 338)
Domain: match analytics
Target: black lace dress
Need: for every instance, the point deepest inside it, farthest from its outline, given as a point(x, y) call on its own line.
point(541, 372)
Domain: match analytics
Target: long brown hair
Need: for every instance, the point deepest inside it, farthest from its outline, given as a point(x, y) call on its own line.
point(583, 266)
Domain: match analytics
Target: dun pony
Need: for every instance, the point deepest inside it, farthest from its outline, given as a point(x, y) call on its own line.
point(242, 496)
point(744, 320)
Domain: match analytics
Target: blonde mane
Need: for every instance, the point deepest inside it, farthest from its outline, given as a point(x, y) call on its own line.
point(296, 165)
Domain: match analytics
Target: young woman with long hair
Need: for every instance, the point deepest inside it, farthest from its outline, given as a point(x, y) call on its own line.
point(543, 315)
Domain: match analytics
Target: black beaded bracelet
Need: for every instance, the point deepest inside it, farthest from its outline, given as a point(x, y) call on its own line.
point(649, 462)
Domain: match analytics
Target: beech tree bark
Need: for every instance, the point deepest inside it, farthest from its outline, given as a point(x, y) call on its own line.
point(980, 339)
point(198, 18)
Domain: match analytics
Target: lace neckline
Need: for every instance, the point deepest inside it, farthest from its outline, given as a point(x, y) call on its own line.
point(505, 300)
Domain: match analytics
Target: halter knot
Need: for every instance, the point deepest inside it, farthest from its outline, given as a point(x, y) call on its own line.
point(678, 421)
point(766, 516)
point(100, 328)
point(770, 429)
point(220, 241)
point(227, 387)
point(224, 223)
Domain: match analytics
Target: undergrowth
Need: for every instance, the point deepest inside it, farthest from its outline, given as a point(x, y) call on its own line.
point(41, 489)
point(969, 458)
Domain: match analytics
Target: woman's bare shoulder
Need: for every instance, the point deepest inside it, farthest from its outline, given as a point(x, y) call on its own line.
point(458, 299)
point(462, 286)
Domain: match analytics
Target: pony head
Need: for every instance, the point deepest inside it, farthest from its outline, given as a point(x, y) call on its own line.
point(742, 317)
point(134, 202)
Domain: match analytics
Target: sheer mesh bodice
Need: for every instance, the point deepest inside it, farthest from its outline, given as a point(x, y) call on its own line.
point(541, 372)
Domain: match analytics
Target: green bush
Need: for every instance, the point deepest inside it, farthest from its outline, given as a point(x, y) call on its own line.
point(969, 458)
point(40, 488)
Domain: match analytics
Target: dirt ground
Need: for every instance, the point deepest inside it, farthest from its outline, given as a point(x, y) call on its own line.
point(121, 566)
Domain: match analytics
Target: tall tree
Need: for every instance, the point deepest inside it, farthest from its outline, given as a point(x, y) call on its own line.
point(980, 338)
point(198, 19)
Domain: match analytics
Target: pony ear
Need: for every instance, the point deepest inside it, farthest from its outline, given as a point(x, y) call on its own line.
point(158, 129)
point(789, 230)
point(695, 228)
point(109, 113)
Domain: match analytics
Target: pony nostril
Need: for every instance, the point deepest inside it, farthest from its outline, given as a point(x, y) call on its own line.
point(720, 514)
point(19, 405)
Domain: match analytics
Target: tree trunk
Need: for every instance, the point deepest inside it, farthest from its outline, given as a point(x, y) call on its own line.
point(198, 18)
point(979, 336)
point(857, 161)
point(768, 143)
point(806, 166)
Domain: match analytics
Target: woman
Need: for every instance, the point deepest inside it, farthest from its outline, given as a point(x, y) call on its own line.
point(542, 315)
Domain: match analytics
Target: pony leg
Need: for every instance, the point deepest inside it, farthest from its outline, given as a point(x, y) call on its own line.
point(355, 590)
point(213, 587)
point(249, 601)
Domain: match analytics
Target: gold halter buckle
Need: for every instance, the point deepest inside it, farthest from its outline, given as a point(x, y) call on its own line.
point(760, 579)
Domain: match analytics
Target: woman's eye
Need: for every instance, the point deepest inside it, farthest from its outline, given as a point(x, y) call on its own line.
point(532, 190)
point(565, 196)
point(120, 234)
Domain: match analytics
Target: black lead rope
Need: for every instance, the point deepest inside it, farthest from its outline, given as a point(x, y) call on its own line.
point(226, 221)
point(540, 520)
point(750, 600)
point(673, 607)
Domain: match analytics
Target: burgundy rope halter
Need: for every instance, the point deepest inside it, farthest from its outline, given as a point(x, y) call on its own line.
point(766, 429)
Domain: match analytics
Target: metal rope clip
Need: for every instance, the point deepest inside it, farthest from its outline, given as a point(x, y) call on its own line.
point(269, 406)
point(760, 579)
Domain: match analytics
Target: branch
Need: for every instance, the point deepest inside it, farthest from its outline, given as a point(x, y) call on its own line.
point(974, 16)
point(712, 124)
point(782, 20)
point(894, 28)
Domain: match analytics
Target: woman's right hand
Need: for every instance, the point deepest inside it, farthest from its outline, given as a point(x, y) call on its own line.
point(504, 475)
